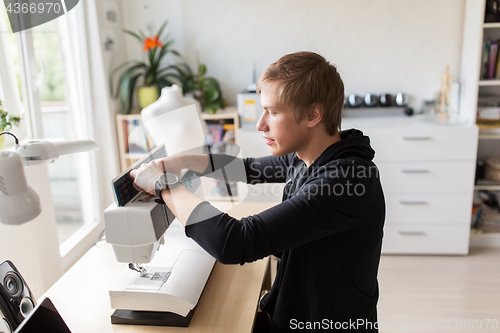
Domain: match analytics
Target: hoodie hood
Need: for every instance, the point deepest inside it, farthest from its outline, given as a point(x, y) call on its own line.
point(353, 144)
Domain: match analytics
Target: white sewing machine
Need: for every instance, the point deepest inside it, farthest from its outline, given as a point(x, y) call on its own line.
point(165, 292)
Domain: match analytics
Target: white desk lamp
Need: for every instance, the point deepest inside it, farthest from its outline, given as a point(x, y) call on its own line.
point(19, 203)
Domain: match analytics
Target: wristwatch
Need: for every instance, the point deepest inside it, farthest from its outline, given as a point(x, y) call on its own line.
point(167, 181)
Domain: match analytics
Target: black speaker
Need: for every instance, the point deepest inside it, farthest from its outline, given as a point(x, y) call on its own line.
point(16, 299)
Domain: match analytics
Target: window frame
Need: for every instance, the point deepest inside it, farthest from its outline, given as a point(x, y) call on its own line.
point(77, 244)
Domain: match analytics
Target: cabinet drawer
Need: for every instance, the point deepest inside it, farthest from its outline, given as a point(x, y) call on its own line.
point(428, 209)
point(427, 177)
point(423, 143)
point(426, 239)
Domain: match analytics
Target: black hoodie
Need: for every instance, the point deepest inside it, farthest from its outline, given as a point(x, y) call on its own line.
point(327, 233)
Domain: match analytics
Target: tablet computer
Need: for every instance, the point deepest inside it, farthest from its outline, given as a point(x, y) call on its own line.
point(123, 189)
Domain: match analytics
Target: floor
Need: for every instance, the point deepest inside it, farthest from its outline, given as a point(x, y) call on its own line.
point(440, 293)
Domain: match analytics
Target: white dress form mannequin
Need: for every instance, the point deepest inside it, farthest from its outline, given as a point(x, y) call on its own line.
point(175, 121)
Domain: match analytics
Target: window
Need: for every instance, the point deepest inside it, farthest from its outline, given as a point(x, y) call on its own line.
point(52, 77)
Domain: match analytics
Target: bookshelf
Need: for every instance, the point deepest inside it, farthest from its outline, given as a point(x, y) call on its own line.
point(489, 83)
point(491, 25)
point(128, 126)
point(487, 185)
point(488, 133)
point(218, 125)
point(476, 85)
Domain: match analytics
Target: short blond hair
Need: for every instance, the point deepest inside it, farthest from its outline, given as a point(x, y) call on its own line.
point(307, 78)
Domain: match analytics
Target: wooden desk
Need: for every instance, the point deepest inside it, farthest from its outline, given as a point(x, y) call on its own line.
point(228, 303)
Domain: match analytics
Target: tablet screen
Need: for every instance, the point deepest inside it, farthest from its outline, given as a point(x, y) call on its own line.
point(123, 188)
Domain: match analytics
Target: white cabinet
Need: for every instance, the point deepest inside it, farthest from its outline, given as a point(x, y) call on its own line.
point(419, 239)
point(418, 141)
point(427, 177)
point(427, 209)
point(427, 173)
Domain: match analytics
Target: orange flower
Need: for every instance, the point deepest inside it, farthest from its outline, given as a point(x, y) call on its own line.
point(151, 43)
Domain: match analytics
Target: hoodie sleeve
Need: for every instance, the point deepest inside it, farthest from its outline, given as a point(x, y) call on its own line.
point(269, 169)
point(321, 208)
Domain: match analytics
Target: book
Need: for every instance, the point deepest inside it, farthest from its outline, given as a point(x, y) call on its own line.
point(484, 62)
point(137, 141)
point(492, 59)
point(489, 219)
point(125, 133)
point(497, 71)
point(488, 113)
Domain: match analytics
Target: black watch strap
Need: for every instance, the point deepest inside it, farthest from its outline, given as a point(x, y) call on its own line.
point(158, 194)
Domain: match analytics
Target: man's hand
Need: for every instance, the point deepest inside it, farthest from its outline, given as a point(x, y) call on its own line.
point(145, 177)
point(179, 200)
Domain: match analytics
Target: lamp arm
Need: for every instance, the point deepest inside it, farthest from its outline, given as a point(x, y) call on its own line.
point(15, 137)
point(36, 152)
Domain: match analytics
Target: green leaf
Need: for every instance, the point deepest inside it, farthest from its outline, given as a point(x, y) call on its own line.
point(211, 108)
point(179, 78)
point(166, 37)
point(142, 35)
point(211, 96)
point(185, 77)
point(188, 72)
point(133, 80)
point(125, 85)
point(176, 53)
point(213, 82)
point(169, 67)
point(168, 43)
point(161, 28)
point(152, 57)
point(141, 40)
point(163, 51)
point(116, 70)
point(150, 77)
point(162, 83)
point(202, 69)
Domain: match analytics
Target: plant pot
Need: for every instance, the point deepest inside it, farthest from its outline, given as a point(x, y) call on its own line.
point(147, 95)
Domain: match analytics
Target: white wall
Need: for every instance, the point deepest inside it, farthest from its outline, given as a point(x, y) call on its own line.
point(378, 45)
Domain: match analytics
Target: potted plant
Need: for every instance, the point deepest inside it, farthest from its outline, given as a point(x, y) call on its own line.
point(150, 71)
point(6, 123)
point(205, 89)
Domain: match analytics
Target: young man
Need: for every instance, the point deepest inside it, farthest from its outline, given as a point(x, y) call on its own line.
point(327, 232)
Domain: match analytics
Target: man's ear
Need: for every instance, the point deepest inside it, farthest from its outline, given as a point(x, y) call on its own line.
point(315, 115)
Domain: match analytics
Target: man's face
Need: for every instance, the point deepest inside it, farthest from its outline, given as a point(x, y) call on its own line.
point(280, 130)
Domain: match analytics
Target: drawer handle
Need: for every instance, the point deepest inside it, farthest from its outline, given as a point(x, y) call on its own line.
point(413, 202)
point(417, 137)
point(411, 232)
point(415, 170)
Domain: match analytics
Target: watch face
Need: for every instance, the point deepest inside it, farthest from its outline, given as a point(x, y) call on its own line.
point(169, 179)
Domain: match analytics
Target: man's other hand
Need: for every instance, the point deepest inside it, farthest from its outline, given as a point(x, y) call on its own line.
point(145, 177)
